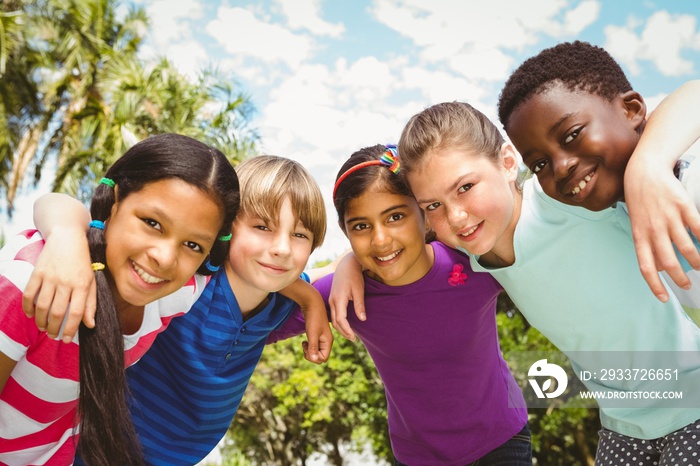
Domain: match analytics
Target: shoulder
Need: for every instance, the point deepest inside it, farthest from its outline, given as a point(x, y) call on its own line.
point(182, 300)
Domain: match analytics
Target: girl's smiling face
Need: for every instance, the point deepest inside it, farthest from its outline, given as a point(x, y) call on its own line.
point(387, 235)
point(470, 199)
point(156, 239)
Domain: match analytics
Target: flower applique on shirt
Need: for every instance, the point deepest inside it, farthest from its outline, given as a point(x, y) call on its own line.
point(457, 276)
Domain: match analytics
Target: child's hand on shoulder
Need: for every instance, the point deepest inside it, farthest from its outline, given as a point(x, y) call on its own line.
point(660, 210)
point(62, 281)
point(348, 285)
point(317, 348)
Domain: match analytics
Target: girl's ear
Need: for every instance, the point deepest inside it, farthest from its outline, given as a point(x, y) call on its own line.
point(510, 161)
point(634, 107)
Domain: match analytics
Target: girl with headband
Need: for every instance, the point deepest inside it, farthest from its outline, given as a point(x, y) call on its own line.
point(162, 213)
point(451, 397)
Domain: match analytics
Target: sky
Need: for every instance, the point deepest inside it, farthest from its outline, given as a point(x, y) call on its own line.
point(329, 77)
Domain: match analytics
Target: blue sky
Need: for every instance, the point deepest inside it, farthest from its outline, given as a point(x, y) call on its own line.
point(331, 76)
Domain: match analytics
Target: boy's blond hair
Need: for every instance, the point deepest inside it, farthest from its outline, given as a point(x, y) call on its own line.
point(266, 180)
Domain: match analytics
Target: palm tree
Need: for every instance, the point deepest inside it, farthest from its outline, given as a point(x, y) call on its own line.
point(140, 102)
point(19, 101)
point(94, 97)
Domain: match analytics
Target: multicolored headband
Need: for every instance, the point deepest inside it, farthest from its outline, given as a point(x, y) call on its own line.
point(389, 159)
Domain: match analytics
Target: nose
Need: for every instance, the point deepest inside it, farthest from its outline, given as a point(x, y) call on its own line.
point(164, 254)
point(456, 215)
point(563, 164)
point(281, 245)
point(380, 237)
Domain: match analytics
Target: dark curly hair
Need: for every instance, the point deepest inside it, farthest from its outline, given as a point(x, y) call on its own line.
point(579, 66)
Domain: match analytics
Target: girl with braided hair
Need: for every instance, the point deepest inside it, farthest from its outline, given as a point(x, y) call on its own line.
point(162, 213)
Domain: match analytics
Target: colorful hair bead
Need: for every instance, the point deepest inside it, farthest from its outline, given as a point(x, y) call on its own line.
point(211, 268)
point(225, 238)
point(97, 266)
point(100, 225)
point(108, 182)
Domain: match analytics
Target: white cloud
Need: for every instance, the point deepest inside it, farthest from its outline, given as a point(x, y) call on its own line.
point(188, 57)
point(305, 14)
point(240, 32)
point(170, 19)
point(661, 42)
point(470, 36)
point(438, 86)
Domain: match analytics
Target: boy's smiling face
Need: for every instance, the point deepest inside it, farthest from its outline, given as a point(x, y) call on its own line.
point(577, 143)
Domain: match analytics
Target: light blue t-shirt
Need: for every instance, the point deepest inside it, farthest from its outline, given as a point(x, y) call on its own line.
point(576, 279)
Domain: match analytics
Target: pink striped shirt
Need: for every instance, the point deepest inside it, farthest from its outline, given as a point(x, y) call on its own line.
point(39, 401)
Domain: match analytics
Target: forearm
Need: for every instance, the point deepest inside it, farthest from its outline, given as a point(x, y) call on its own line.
point(54, 211)
point(671, 128)
point(306, 296)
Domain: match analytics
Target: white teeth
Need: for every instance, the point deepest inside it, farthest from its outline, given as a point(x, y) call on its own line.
point(471, 230)
point(581, 185)
point(389, 257)
point(145, 276)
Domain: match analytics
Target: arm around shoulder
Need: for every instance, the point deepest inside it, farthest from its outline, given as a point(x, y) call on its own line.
point(62, 280)
point(661, 210)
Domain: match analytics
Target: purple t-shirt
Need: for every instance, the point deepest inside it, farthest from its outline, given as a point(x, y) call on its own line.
point(451, 397)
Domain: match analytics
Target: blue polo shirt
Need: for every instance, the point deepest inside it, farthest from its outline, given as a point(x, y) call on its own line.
point(187, 388)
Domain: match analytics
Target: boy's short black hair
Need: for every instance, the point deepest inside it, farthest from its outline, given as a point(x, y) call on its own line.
point(579, 66)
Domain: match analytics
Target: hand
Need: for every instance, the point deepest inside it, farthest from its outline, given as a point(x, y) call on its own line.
point(660, 209)
point(62, 280)
point(320, 338)
point(348, 285)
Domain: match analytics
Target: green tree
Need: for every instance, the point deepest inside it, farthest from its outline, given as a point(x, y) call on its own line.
point(94, 98)
point(19, 96)
point(293, 408)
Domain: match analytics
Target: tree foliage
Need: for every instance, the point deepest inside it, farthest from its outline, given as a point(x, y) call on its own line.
point(73, 91)
point(293, 408)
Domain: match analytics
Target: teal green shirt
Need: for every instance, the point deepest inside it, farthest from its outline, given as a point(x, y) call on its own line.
point(576, 279)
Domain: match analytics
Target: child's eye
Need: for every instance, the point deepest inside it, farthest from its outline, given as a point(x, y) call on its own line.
point(464, 188)
point(433, 206)
point(261, 227)
point(301, 235)
point(537, 166)
point(572, 135)
point(152, 223)
point(396, 217)
point(194, 246)
point(360, 226)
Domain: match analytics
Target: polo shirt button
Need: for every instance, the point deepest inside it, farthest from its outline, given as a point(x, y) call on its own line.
point(242, 329)
point(235, 342)
point(228, 356)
